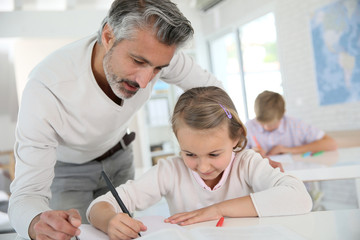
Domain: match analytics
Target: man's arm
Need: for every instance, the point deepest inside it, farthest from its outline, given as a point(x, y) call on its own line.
point(35, 153)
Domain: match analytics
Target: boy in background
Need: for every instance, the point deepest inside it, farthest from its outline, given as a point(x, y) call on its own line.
point(272, 132)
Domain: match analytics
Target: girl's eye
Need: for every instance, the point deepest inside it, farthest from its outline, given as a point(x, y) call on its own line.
point(189, 155)
point(214, 155)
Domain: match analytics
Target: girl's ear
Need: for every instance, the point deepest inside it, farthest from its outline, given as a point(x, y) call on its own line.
point(107, 37)
point(238, 139)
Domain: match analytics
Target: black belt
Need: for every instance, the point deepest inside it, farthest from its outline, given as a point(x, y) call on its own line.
point(124, 142)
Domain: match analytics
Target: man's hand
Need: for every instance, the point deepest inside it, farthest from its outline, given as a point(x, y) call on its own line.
point(55, 225)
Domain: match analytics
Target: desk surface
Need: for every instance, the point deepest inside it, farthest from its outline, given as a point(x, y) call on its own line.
point(343, 163)
point(321, 225)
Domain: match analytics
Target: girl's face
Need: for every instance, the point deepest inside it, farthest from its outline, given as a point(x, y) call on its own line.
point(207, 152)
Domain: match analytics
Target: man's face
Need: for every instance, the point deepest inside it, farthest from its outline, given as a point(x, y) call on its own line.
point(132, 64)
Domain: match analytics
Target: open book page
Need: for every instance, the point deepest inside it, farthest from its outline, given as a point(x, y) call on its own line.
point(158, 230)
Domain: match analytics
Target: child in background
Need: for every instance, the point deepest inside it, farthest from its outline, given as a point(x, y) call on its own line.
point(272, 132)
point(213, 177)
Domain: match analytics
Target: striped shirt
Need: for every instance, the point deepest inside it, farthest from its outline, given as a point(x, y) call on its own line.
point(291, 132)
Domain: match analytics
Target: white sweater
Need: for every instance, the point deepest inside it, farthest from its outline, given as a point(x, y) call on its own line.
point(273, 193)
point(65, 116)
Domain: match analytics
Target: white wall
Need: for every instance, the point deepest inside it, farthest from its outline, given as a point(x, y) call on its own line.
point(25, 39)
point(37, 34)
point(33, 35)
point(295, 52)
point(28, 52)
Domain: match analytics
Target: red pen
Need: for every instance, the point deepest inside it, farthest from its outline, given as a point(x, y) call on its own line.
point(220, 222)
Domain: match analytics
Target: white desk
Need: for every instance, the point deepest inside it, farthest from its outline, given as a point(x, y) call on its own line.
point(343, 163)
point(322, 225)
point(331, 165)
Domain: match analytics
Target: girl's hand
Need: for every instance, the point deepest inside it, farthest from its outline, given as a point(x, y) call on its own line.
point(122, 226)
point(200, 215)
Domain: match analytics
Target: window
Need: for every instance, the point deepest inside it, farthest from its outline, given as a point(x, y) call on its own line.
point(246, 61)
point(226, 67)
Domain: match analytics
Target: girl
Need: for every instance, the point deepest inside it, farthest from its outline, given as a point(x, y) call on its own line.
point(213, 177)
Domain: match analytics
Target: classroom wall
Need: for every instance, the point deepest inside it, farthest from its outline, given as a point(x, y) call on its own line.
point(295, 53)
point(8, 98)
point(36, 36)
point(32, 35)
point(24, 43)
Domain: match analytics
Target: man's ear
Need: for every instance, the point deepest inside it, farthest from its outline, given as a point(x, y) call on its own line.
point(107, 37)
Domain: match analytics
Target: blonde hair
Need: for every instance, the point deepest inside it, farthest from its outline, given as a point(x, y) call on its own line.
point(269, 106)
point(206, 108)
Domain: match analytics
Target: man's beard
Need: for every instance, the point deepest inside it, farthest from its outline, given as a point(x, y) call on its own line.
point(116, 83)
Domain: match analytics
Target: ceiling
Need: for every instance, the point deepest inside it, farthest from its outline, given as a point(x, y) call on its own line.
point(53, 5)
point(63, 5)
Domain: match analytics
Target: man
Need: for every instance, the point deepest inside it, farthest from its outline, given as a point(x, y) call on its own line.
point(77, 105)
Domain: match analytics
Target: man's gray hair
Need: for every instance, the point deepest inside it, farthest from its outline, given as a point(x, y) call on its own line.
point(162, 16)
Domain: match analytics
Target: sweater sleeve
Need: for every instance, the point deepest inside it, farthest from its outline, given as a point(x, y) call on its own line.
point(184, 72)
point(274, 193)
point(143, 192)
point(35, 153)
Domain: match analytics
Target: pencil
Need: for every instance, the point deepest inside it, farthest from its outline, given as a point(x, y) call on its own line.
point(257, 143)
point(116, 195)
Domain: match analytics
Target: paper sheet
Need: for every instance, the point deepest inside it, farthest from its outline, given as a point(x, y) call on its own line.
point(156, 223)
point(88, 232)
point(158, 230)
point(258, 232)
point(153, 223)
